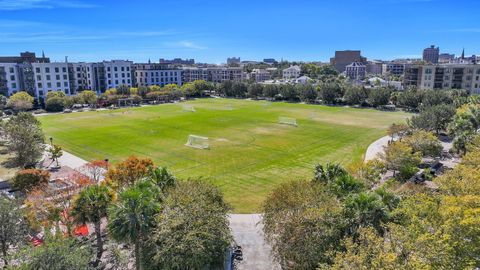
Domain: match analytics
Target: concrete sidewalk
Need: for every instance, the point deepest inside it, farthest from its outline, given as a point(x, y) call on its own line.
point(376, 148)
point(247, 230)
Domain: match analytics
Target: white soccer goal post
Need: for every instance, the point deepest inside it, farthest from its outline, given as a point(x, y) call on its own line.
point(198, 142)
point(287, 121)
point(188, 108)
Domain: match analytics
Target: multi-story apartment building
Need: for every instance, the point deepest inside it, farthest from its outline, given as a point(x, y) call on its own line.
point(3, 82)
point(221, 74)
point(156, 74)
point(191, 74)
point(118, 72)
point(292, 72)
point(356, 71)
point(259, 75)
point(431, 54)
point(52, 77)
point(445, 76)
point(394, 68)
point(12, 77)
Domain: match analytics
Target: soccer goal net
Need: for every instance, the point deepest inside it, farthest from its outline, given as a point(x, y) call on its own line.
point(287, 121)
point(197, 142)
point(188, 108)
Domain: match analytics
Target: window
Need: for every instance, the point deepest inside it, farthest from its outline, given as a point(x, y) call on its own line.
point(14, 85)
point(65, 84)
point(128, 68)
point(57, 77)
point(123, 75)
point(12, 77)
point(78, 69)
point(108, 68)
point(65, 76)
point(37, 70)
point(116, 81)
point(128, 81)
point(39, 85)
point(116, 75)
point(64, 69)
point(109, 75)
point(12, 70)
point(57, 70)
point(59, 84)
point(123, 81)
point(109, 81)
point(122, 69)
point(115, 69)
point(39, 78)
point(48, 77)
point(47, 70)
point(49, 85)
point(40, 93)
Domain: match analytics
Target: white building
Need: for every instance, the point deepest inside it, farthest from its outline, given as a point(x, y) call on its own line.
point(51, 77)
point(156, 74)
point(118, 72)
point(292, 72)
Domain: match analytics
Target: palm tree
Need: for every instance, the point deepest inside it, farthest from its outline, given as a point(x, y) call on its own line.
point(133, 216)
point(162, 177)
point(91, 205)
point(329, 172)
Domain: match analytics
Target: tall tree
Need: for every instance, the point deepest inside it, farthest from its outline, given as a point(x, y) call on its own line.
point(91, 205)
point(13, 228)
point(435, 118)
point(192, 231)
point(25, 138)
point(133, 216)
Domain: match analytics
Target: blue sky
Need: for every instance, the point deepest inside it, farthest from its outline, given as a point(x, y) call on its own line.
point(211, 31)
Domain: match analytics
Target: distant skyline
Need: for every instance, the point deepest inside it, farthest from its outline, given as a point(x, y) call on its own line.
point(211, 31)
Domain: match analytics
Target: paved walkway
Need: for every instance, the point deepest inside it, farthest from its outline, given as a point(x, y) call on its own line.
point(67, 159)
point(248, 233)
point(376, 148)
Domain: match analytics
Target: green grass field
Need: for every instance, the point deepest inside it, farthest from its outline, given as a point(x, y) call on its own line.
point(249, 151)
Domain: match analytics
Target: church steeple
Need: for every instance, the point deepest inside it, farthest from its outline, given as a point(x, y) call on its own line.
point(463, 54)
point(43, 54)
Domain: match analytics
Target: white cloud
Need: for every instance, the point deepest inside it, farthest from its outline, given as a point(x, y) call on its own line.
point(187, 45)
point(42, 4)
